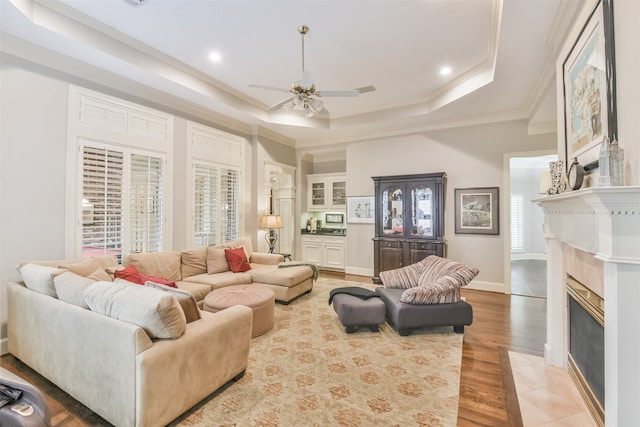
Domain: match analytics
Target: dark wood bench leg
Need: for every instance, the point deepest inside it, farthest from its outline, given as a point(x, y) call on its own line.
point(374, 328)
point(350, 329)
point(403, 332)
point(458, 329)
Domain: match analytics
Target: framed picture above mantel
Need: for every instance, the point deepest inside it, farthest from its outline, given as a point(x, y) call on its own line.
point(589, 85)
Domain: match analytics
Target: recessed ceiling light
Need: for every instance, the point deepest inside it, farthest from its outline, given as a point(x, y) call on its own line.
point(445, 71)
point(215, 57)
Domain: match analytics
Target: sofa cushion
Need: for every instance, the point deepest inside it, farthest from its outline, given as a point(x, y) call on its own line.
point(219, 280)
point(159, 264)
point(193, 261)
point(70, 286)
point(216, 260)
point(287, 277)
point(157, 312)
point(40, 278)
point(100, 275)
point(185, 299)
point(198, 290)
point(83, 268)
point(237, 259)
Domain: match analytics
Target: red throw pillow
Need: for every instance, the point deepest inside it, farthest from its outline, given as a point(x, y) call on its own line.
point(237, 260)
point(131, 274)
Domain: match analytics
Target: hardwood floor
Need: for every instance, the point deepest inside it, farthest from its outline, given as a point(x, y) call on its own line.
point(487, 393)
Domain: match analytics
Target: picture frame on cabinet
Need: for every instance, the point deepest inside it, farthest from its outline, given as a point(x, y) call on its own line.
point(589, 85)
point(360, 209)
point(477, 210)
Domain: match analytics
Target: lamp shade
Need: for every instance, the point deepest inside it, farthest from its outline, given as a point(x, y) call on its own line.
point(271, 221)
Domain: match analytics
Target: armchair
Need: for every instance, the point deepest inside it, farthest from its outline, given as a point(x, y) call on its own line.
point(427, 293)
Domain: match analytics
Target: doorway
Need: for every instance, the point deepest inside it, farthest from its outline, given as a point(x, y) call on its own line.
point(525, 256)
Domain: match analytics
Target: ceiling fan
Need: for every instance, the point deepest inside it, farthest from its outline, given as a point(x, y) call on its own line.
point(304, 92)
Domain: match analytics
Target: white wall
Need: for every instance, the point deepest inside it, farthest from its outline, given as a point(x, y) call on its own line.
point(471, 156)
point(33, 145)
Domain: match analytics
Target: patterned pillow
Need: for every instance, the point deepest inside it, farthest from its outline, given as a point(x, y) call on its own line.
point(445, 289)
point(404, 277)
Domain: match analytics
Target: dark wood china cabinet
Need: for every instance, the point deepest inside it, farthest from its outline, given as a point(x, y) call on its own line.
point(409, 219)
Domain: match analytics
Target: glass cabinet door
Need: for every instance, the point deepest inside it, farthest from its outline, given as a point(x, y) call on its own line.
point(317, 194)
point(392, 210)
point(338, 193)
point(422, 212)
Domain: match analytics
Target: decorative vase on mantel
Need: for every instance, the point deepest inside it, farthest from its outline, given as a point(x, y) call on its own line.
point(558, 184)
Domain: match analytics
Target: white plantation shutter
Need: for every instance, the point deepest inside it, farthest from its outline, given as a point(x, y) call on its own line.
point(146, 203)
point(216, 216)
point(102, 192)
point(230, 199)
point(123, 201)
point(517, 223)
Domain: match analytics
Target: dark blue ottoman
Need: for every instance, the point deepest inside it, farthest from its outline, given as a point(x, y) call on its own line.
point(355, 312)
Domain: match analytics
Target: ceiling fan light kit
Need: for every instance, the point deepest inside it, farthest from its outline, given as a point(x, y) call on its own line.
point(305, 94)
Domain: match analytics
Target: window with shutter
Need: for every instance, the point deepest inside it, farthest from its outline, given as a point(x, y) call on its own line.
point(216, 204)
point(113, 224)
point(102, 201)
point(146, 219)
point(517, 223)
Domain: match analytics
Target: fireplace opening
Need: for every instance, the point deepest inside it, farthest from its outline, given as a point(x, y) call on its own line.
point(586, 345)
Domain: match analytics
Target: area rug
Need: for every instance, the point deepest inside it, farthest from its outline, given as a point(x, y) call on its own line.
point(307, 371)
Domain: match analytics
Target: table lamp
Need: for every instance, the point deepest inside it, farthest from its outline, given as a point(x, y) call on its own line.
point(271, 222)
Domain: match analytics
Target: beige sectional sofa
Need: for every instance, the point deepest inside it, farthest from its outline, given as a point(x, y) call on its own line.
point(67, 321)
point(201, 270)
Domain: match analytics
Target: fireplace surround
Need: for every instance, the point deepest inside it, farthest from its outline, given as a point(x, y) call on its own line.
point(594, 235)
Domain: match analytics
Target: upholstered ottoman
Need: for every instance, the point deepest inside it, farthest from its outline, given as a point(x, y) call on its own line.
point(355, 312)
point(257, 297)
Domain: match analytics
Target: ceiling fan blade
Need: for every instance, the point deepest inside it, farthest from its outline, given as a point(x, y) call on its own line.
point(326, 93)
point(278, 89)
point(308, 77)
point(280, 104)
point(366, 89)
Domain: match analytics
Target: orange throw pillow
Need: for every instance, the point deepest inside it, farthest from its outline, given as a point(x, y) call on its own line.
point(237, 259)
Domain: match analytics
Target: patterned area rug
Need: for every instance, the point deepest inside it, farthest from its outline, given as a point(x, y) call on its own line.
point(307, 371)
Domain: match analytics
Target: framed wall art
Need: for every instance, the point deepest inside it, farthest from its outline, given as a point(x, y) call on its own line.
point(477, 210)
point(588, 76)
point(360, 209)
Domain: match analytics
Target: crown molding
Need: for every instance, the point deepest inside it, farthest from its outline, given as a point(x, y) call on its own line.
point(541, 128)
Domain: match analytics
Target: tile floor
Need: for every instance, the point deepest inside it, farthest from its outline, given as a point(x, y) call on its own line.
point(546, 394)
point(529, 277)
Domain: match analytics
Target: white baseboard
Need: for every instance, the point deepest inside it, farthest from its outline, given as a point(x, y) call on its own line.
point(4, 346)
point(359, 271)
point(520, 257)
point(486, 286)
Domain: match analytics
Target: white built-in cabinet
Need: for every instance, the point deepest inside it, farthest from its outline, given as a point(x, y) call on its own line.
point(326, 191)
point(324, 251)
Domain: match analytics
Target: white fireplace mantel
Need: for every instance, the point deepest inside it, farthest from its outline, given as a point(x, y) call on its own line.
point(604, 222)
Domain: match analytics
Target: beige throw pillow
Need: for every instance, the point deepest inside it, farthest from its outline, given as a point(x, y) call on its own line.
point(83, 268)
point(69, 287)
point(185, 299)
point(216, 260)
point(193, 262)
point(159, 264)
point(157, 312)
point(40, 278)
